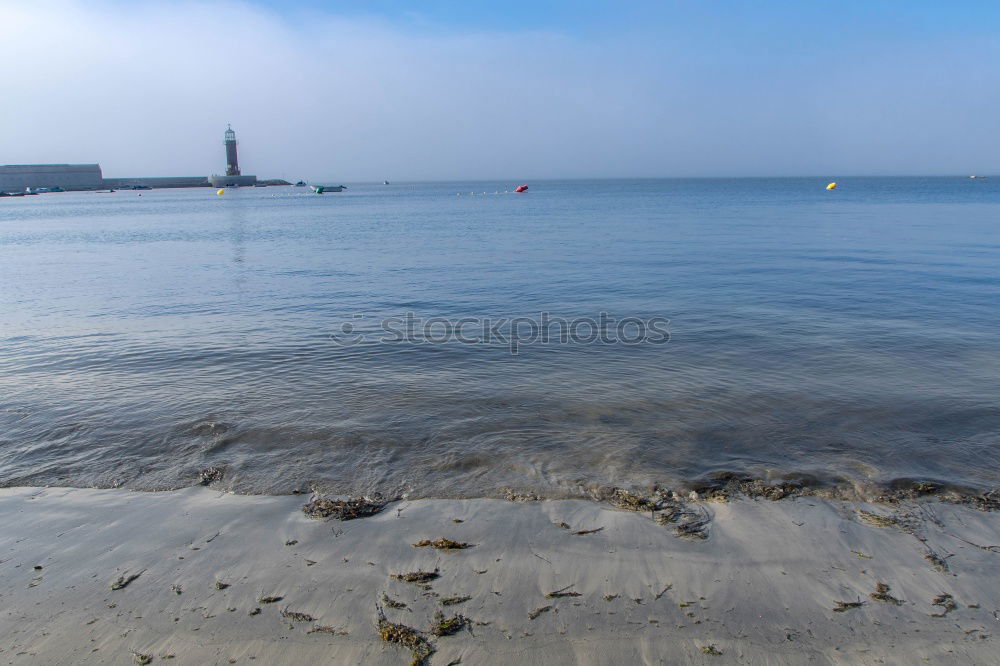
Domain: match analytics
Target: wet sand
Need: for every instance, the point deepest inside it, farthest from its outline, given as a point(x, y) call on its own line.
point(554, 582)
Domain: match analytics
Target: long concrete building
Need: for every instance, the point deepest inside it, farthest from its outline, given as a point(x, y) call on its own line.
point(157, 182)
point(19, 177)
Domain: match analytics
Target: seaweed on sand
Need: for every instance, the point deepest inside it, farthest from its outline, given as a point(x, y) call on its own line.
point(453, 601)
point(876, 520)
point(756, 488)
point(538, 611)
point(564, 525)
point(695, 529)
point(712, 650)
point(881, 593)
point(124, 580)
point(351, 509)
point(515, 495)
point(270, 599)
point(945, 601)
point(724, 485)
point(141, 658)
point(296, 616)
point(446, 626)
point(624, 499)
point(558, 594)
point(417, 577)
point(443, 544)
point(938, 562)
point(321, 629)
point(988, 501)
point(392, 603)
point(844, 606)
point(688, 523)
point(408, 637)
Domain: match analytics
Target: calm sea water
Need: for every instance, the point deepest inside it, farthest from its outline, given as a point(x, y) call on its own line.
point(845, 335)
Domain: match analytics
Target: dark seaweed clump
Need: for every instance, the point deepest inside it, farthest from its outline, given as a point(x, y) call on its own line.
point(945, 601)
point(418, 577)
point(342, 509)
point(443, 544)
point(688, 523)
point(844, 606)
point(624, 499)
point(725, 485)
point(392, 603)
point(211, 475)
point(453, 601)
point(446, 626)
point(564, 592)
point(881, 593)
point(296, 616)
point(408, 637)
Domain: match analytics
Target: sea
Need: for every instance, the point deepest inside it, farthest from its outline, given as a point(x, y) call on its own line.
point(460, 340)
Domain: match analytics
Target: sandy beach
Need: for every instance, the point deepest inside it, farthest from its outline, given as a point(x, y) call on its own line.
point(196, 576)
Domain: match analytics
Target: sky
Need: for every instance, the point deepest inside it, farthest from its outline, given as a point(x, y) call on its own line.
point(361, 91)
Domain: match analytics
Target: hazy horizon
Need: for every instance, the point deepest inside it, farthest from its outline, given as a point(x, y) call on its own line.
point(450, 92)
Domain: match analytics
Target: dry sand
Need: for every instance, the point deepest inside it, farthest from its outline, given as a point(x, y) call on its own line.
point(761, 588)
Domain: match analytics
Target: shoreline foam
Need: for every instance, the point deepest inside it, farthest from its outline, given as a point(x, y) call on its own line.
point(560, 581)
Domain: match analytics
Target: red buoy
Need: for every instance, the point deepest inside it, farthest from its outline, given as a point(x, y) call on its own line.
point(521, 188)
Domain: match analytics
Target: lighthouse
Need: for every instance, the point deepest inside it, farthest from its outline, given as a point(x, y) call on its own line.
point(232, 160)
point(233, 177)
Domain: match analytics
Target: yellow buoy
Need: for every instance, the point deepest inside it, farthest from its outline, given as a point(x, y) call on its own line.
point(223, 191)
point(831, 186)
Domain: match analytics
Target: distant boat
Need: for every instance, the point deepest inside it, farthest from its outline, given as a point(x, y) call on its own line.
point(385, 182)
point(521, 188)
point(321, 189)
point(56, 189)
point(979, 177)
point(301, 183)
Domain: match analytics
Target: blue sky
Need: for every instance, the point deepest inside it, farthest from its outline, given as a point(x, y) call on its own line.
point(452, 90)
point(590, 16)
